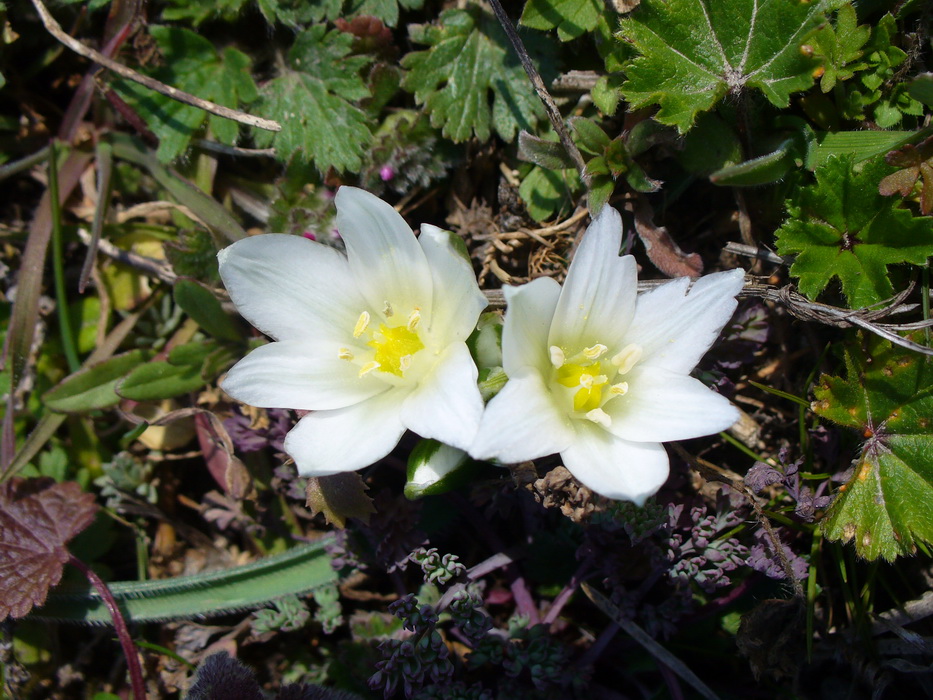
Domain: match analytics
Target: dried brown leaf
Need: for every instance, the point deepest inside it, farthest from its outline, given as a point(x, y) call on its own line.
point(662, 250)
point(37, 519)
point(340, 496)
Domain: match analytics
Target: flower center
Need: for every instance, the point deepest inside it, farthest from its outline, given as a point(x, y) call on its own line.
point(592, 381)
point(393, 345)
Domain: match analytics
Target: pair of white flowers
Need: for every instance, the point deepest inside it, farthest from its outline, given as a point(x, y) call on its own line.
point(373, 344)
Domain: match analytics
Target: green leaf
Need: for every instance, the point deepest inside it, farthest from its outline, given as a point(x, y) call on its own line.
point(842, 227)
point(606, 94)
point(193, 65)
point(545, 192)
point(299, 570)
point(840, 47)
point(571, 18)
point(203, 307)
point(694, 52)
point(470, 80)
point(861, 145)
point(92, 388)
point(385, 10)
point(921, 89)
point(887, 505)
point(543, 152)
point(164, 380)
point(313, 100)
point(709, 146)
point(762, 170)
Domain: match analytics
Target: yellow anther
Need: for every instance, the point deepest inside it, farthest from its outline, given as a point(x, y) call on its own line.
point(368, 367)
point(557, 356)
point(361, 323)
point(620, 389)
point(600, 417)
point(345, 354)
point(387, 309)
point(594, 352)
point(404, 362)
point(627, 358)
point(414, 318)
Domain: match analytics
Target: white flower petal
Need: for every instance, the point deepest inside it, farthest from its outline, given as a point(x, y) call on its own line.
point(676, 328)
point(527, 323)
point(446, 405)
point(521, 422)
point(598, 299)
point(616, 468)
point(296, 374)
point(291, 288)
point(346, 439)
point(661, 406)
point(457, 301)
point(385, 258)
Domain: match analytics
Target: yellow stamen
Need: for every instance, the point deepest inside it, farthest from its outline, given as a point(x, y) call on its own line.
point(345, 354)
point(594, 352)
point(387, 310)
point(620, 389)
point(368, 367)
point(414, 318)
point(600, 417)
point(627, 358)
point(557, 356)
point(361, 323)
point(404, 362)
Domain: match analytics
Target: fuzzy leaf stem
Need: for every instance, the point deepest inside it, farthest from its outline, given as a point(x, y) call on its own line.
point(119, 624)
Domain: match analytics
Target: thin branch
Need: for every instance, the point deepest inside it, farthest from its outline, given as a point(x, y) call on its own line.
point(553, 114)
point(55, 29)
point(647, 642)
point(233, 150)
point(150, 266)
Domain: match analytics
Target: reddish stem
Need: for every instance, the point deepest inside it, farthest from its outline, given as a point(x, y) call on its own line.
point(119, 624)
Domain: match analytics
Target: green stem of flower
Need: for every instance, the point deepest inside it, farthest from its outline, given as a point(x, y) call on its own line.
point(58, 266)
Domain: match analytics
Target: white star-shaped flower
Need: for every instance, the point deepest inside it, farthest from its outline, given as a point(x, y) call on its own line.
point(371, 342)
point(601, 375)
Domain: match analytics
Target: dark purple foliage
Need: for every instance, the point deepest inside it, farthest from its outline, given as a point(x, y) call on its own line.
point(808, 501)
point(222, 676)
point(763, 558)
point(249, 438)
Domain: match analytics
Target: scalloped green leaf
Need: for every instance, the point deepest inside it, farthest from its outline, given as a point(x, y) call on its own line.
point(886, 507)
point(840, 46)
point(470, 80)
point(571, 18)
point(695, 52)
point(192, 64)
point(842, 227)
point(313, 99)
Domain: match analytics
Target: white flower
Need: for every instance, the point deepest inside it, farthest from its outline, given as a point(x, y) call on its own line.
point(602, 377)
point(372, 342)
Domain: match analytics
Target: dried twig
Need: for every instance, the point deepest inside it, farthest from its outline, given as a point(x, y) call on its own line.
point(553, 114)
point(149, 266)
point(55, 29)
